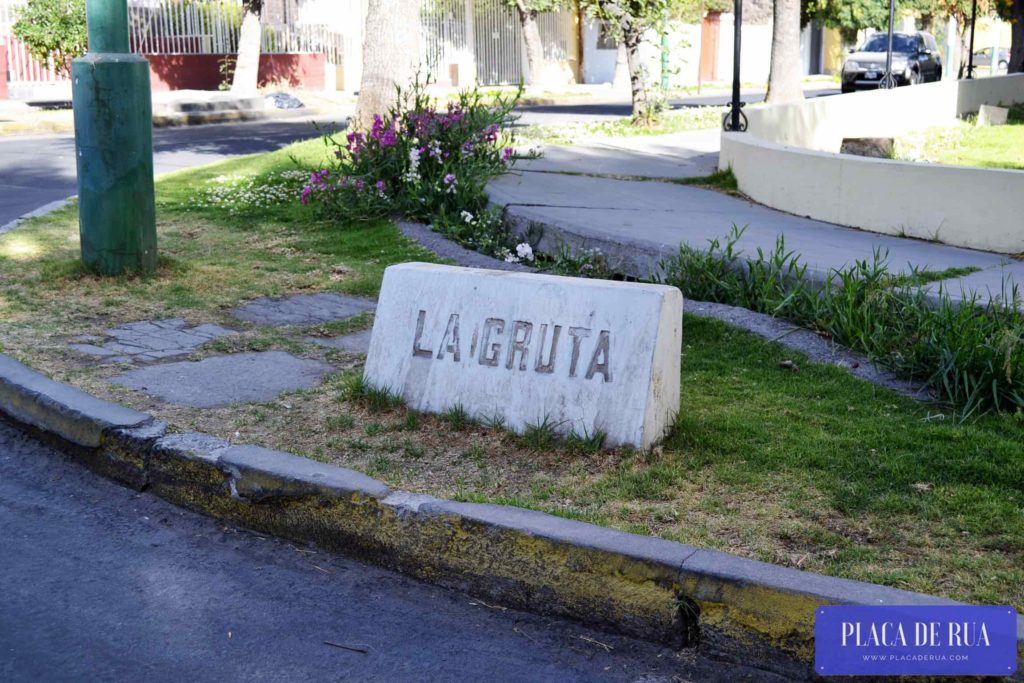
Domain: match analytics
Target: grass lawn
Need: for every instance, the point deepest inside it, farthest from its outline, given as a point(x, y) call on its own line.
point(969, 145)
point(811, 469)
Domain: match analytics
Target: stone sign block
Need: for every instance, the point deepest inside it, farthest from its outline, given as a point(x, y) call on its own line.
point(585, 355)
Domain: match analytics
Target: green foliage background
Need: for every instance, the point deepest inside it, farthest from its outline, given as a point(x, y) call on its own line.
point(53, 28)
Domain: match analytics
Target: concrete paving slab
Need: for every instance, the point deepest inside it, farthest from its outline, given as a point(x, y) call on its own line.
point(225, 380)
point(357, 342)
point(681, 155)
point(303, 309)
point(653, 218)
point(149, 340)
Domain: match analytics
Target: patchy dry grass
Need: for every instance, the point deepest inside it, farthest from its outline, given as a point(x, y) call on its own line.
point(811, 469)
point(36, 121)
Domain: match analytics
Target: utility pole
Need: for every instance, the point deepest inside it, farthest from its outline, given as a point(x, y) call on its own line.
point(114, 147)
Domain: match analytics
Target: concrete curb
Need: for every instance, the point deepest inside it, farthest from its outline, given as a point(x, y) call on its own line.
point(198, 118)
point(49, 207)
point(637, 585)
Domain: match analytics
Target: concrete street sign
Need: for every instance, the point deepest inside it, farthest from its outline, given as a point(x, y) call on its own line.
point(585, 355)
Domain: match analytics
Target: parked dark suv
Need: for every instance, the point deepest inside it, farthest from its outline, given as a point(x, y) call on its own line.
point(915, 59)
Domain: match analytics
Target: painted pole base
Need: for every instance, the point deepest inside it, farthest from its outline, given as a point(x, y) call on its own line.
point(114, 150)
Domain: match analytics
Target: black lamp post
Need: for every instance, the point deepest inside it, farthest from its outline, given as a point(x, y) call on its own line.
point(888, 80)
point(970, 53)
point(736, 120)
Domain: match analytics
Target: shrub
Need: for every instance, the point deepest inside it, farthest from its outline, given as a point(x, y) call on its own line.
point(969, 355)
point(418, 160)
point(52, 30)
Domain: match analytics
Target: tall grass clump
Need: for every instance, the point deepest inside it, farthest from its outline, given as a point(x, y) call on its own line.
point(969, 354)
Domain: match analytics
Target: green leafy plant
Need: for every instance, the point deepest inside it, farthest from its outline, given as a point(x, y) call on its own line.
point(970, 355)
point(53, 30)
point(376, 399)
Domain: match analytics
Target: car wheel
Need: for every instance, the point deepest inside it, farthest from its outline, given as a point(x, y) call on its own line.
point(1003, 64)
point(846, 88)
point(915, 78)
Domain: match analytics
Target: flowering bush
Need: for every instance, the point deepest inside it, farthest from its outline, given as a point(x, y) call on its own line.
point(419, 160)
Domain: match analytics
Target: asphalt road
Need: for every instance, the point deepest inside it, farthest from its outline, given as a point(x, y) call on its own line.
point(98, 582)
point(38, 169)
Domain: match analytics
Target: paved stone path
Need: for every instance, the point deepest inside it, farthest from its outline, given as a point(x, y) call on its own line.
point(149, 340)
point(231, 378)
point(357, 342)
point(304, 309)
point(225, 380)
point(680, 155)
point(642, 223)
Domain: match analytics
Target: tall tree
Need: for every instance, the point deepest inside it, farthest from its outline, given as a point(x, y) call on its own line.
point(250, 39)
point(391, 55)
point(528, 11)
point(848, 16)
point(1013, 12)
point(784, 74)
point(629, 20)
point(960, 10)
point(1017, 44)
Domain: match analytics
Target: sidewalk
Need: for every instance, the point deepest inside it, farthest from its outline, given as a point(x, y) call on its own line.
point(638, 224)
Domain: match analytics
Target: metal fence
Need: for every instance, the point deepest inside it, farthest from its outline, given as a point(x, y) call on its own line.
point(483, 33)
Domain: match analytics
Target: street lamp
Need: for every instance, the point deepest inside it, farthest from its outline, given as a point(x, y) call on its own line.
point(888, 80)
point(970, 53)
point(114, 147)
point(736, 120)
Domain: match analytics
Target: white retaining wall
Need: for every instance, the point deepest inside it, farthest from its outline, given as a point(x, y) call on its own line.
point(788, 160)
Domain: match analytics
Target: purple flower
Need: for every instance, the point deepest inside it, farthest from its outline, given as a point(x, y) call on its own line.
point(507, 153)
point(360, 185)
point(319, 177)
point(449, 179)
point(306, 191)
point(380, 185)
point(388, 139)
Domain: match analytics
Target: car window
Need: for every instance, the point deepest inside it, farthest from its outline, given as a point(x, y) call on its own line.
point(880, 43)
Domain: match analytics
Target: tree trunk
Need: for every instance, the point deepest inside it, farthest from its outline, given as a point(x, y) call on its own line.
point(962, 33)
point(643, 112)
point(784, 76)
point(391, 55)
point(534, 45)
point(1017, 42)
point(247, 65)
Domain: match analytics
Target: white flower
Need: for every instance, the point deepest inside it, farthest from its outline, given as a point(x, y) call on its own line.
point(467, 217)
point(414, 159)
point(524, 251)
point(511, 258)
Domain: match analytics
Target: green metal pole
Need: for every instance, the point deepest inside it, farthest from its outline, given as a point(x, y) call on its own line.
point(114, 147)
